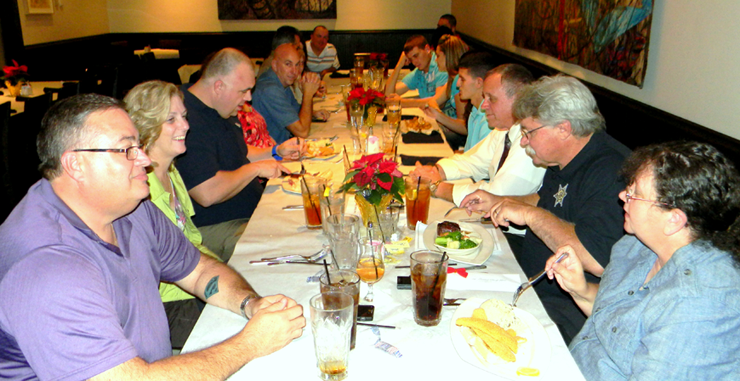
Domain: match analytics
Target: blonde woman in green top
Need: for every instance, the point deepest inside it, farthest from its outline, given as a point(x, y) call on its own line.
point(157, 110)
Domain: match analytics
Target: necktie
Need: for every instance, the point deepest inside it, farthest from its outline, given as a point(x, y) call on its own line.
point(507, 146)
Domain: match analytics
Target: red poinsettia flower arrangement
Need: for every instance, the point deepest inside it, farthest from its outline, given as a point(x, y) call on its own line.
point(365, 97)
point(378, 56)
point(375, 177)
point(15, 73)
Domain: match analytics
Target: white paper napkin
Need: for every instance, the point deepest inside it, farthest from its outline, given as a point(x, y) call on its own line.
point(481, 281)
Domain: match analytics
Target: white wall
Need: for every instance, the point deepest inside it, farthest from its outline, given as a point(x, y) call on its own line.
point(74, 19)
point(202, 16)
point(693, 63)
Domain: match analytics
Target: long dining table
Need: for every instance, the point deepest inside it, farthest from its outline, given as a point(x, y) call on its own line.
point(426, 352)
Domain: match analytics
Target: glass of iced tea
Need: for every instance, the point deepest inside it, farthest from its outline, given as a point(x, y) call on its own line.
point(393, 112)
point(428, 281)
point(370, 267)
point(311, 188)
point(348, 282)
point(417, 201)
point(331, 325)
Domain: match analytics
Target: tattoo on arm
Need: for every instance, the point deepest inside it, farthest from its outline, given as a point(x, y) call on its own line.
point(211, 287)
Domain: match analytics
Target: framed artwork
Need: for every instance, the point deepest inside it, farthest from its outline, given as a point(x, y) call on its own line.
point(605, 36)
point(276, 9)
point(40, 6)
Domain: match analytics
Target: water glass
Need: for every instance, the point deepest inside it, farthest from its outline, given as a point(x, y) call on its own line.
point(388, 221)
point(332, 203)
point(344, 233)
point(331, 325)
point(348, 282)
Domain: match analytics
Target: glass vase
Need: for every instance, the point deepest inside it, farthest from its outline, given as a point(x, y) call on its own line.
point(371, 111)
point(14, 90)
point(369, 212)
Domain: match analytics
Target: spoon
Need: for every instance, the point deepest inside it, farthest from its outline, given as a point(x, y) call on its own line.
point(531, 281)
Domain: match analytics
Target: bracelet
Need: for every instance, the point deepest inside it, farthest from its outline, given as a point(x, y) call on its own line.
point(275, 154)
point(246, 301)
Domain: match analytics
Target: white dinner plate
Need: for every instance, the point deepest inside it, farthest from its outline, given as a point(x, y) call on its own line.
point(334, 153)
point(534, 353)
point(486, 247)
point(293, 185)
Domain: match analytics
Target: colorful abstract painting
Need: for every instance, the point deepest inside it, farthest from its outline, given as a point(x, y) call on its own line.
point(276, 9)
point(606, 36)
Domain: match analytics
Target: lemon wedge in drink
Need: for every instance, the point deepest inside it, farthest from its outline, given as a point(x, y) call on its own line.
point(413, 195)
point(327, 190)
point(531, 372)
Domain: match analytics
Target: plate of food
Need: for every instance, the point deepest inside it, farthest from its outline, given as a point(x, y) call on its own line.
point(321, 149)
point(474, 255)
point(292, 183)
point(419, 124)
point(500, 339)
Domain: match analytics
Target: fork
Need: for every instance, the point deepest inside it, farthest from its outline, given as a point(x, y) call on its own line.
point(531, 281)
point(309, 258)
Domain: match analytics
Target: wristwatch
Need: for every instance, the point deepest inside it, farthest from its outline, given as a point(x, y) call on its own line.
point(433, 186)
point(246, 301)
point(275, 154)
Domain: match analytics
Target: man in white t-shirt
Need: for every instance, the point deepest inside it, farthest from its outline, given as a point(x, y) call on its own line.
point(321, 56)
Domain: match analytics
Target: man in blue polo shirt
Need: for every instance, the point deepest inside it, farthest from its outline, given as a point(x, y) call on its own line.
point(81, 258)
point(426, 77)
point(274, 100)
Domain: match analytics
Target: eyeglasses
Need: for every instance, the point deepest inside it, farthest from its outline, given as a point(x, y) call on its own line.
point(628, 197)
point(528, 134)
point(131, 152)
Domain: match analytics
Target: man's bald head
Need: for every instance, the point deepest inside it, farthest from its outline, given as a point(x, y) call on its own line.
point(286, 64)
point(223, 63)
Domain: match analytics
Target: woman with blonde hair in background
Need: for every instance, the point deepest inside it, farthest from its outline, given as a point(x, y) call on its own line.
point(446, 107)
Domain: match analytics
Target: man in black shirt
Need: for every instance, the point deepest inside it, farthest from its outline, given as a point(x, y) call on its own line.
point(578, 202)
point(218, 169)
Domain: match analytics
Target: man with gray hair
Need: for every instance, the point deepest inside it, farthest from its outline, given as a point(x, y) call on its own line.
point(218, 169)
point(81, 258)
point(577, 204)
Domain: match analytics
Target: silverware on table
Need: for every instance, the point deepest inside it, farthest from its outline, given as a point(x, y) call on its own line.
point(294, 263)
point(531, 281)
point(293, 207)
point(453, 301)
point(377, 325)
point(309, 258)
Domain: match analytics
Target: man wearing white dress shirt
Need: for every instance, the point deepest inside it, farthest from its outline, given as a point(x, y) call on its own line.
point(510, 173)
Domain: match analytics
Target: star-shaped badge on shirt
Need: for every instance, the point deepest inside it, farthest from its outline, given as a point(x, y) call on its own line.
point(560, 196)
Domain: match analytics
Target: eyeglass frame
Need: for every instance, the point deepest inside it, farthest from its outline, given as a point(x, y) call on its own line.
point(135, 149)
point(629, 197)
point(528, 134)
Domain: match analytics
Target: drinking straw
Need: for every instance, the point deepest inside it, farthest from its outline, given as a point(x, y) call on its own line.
point(416, 202)
point(439, 269)
point(310, 200)
point(328, 200)
point(326, 268)
point(372, 250)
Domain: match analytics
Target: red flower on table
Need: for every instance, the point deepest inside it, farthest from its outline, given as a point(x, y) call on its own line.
point(375, 176)
point(19, 71)
point(365, 97)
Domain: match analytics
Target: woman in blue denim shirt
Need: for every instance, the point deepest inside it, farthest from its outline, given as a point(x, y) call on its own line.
point(668, 305)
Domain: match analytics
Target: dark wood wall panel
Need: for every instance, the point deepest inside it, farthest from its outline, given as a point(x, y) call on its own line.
point(631, 122)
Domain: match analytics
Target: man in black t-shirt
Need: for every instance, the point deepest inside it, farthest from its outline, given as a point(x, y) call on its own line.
point(218, 169)
point(578, 202)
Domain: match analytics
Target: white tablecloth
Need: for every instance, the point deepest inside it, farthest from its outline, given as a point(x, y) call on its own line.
point(427, 352)
point(38, 89)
